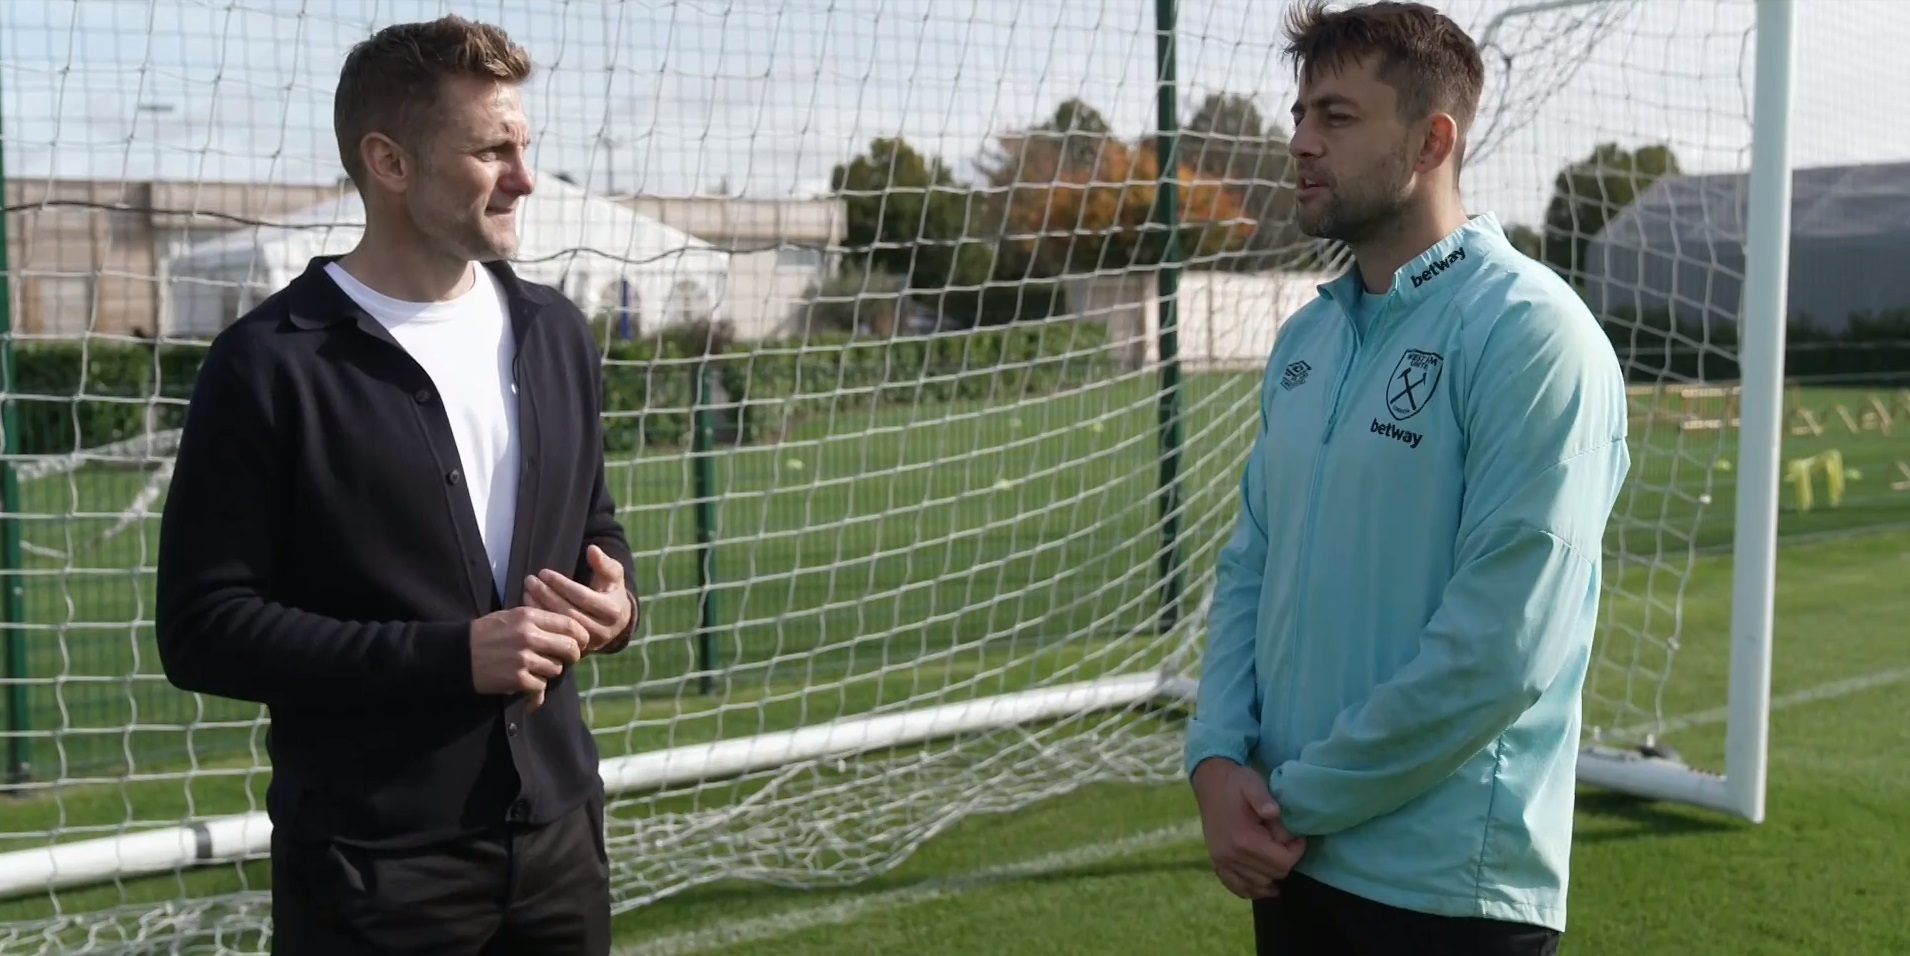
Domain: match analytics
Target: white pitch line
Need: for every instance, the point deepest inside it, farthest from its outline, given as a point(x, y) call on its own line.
point(833, 914)
point(1796, 698)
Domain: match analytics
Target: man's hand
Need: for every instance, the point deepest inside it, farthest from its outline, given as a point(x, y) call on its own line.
point(1250, 848)
point(603, 608)
point(521, 650)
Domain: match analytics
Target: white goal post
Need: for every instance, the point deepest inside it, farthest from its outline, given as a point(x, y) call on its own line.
point(1644, 767)
point(248, 836)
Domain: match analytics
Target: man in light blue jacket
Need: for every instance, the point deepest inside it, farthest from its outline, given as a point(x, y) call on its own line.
point(1385, 740)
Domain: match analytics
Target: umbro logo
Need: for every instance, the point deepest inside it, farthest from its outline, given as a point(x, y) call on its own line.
point(1294, 375)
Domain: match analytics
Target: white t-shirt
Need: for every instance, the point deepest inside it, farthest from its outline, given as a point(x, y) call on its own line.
point(466, 346)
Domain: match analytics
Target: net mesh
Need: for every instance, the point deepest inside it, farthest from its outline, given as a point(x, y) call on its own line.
point(1635, 120)
point(879, 297)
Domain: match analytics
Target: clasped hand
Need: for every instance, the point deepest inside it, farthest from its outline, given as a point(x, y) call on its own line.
point(521, 650)
point(1247, 843)
point(603, 608)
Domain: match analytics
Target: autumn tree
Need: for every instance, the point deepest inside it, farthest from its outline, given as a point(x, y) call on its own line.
point(1068, 196)
point(1227, 137)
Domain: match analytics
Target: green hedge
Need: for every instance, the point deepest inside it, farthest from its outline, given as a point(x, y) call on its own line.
point(72, 396)
point(1872, 348)
point(82, 395)
point(764, 387)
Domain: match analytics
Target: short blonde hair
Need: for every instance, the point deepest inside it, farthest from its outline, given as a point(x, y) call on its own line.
point(390, 81)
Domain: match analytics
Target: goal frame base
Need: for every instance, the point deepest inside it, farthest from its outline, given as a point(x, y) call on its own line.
point(1640, 773)
point(231, 839)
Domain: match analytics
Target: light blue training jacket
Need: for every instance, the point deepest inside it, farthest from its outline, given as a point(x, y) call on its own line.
point(1404, 614)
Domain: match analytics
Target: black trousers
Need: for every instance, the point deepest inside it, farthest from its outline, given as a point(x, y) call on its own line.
point(1309, 918)
point(531, 891)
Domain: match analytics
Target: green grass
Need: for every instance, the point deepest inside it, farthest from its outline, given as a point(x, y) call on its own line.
point(1674, 467)
point(1819, 876)
point(882, 555)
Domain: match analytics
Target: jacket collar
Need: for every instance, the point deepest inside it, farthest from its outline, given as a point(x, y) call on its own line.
point(1460, 251)
point(314, 301)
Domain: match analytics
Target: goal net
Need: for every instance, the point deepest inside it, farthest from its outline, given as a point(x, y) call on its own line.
point(924, 427)
point(1740, 275)
point(901, 521)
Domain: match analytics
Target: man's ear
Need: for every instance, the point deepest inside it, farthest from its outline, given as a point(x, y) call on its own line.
point(1440, 144)
point(387, 162)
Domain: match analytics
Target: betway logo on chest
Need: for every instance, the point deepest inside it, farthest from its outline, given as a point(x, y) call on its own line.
point(1439, 265)
point(1396, 433)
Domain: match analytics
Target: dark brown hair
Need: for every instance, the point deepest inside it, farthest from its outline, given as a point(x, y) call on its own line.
point(1432, 63)
point(390, 81)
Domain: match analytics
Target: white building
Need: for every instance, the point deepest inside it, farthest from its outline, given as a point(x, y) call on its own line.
point(1680, 247)
point(84, 256)
point(1225, 321)
point(776, 247)
point(603, 255)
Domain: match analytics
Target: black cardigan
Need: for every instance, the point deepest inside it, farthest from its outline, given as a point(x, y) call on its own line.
point(318, 554)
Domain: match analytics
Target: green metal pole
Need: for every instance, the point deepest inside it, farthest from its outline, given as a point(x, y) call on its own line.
point(1167, 213)
point(703, 465)
point(13, 600)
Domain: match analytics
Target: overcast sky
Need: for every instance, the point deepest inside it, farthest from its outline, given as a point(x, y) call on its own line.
point(673, 96)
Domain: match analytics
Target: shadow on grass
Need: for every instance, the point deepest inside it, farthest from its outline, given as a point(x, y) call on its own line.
point(1608, 817)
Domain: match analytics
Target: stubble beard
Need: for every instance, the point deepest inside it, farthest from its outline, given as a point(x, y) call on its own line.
point(1376, 204)
point(467, 236)
point(460, 233)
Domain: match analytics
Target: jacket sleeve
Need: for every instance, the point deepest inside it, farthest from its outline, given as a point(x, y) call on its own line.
point(601, 526)
point(1545, 423)
point(219, 629)
point(1226, 720)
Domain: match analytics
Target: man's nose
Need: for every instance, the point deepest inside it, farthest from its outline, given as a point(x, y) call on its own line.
point(1304, 142)
point(519, 180)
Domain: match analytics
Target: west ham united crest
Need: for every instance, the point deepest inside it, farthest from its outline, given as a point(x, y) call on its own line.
point(1414, 380)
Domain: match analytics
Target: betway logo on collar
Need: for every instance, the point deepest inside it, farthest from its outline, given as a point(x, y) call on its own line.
point(1439, 265)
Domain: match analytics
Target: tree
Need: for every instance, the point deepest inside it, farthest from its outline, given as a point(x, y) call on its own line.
point(1067, 196)
point(852, 301)
point(906, 216)
point(1590, 192)
point(1527, 240)
point(1228, 137)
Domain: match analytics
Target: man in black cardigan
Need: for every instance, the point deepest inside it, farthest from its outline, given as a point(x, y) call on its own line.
point(389, 523)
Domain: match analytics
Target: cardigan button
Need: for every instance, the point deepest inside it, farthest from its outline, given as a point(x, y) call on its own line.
point(423, 396)
point(454, 476)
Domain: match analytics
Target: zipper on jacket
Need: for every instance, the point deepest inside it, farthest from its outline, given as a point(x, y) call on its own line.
point(1348, 366)
point(1348, 363)
point(1333, 410)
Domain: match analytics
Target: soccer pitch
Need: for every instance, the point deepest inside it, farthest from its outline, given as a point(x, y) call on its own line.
point(1120, 869)
point(991, 586)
